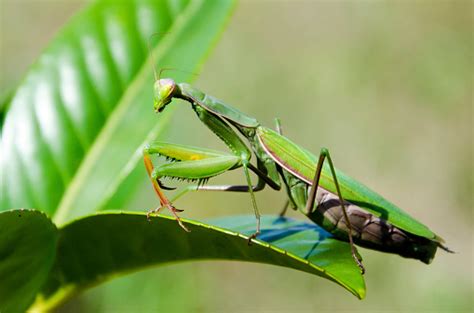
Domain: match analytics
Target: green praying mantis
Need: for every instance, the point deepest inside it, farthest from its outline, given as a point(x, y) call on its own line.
point(333, 200)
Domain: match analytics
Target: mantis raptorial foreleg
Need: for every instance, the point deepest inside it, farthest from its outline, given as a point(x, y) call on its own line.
point(163, 200)
point(192, 163)
point(324, 154)
point(195, 164)
point(263, 180)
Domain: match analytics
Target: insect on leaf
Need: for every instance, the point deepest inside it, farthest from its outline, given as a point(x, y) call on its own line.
point(75, 127)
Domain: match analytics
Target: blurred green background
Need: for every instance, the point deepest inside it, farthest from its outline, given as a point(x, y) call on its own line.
point(386, 86)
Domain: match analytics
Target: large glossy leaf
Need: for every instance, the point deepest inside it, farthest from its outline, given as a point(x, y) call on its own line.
point(95, 248)
point(27, 252)
point(75, 126)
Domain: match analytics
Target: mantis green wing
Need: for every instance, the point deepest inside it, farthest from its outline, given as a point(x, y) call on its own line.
point(301, 163)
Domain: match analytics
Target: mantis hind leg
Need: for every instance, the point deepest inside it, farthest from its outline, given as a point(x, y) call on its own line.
point(312, 197)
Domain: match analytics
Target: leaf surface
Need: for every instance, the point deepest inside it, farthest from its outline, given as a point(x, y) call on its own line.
point(97, 247)
point(27, 252)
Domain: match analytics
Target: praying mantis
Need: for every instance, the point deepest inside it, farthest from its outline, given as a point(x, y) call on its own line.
point(333, 200)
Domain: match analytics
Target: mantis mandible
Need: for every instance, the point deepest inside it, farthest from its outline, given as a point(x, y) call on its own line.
point(341, 203)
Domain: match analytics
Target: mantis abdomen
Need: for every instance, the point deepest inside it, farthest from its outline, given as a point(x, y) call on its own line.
point(368, 230)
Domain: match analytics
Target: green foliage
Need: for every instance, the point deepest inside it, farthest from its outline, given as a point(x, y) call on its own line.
point(72, 135)
point(97, 247)
point(27, 250)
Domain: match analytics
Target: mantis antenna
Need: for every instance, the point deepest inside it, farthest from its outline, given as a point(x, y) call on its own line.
point(150, 50)
point(174, 69)
point(156, 74)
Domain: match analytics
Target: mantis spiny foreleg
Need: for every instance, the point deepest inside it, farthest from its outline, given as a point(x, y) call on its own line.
point(164, 202)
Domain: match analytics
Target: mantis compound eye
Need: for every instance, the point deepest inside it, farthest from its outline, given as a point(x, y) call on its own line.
point(164, 89)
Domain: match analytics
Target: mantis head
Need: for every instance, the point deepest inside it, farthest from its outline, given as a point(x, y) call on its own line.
point(165, 89)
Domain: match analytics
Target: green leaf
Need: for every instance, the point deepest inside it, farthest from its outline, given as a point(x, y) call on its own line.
point(95, 248)
point(27, 251)
point(75, 127)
